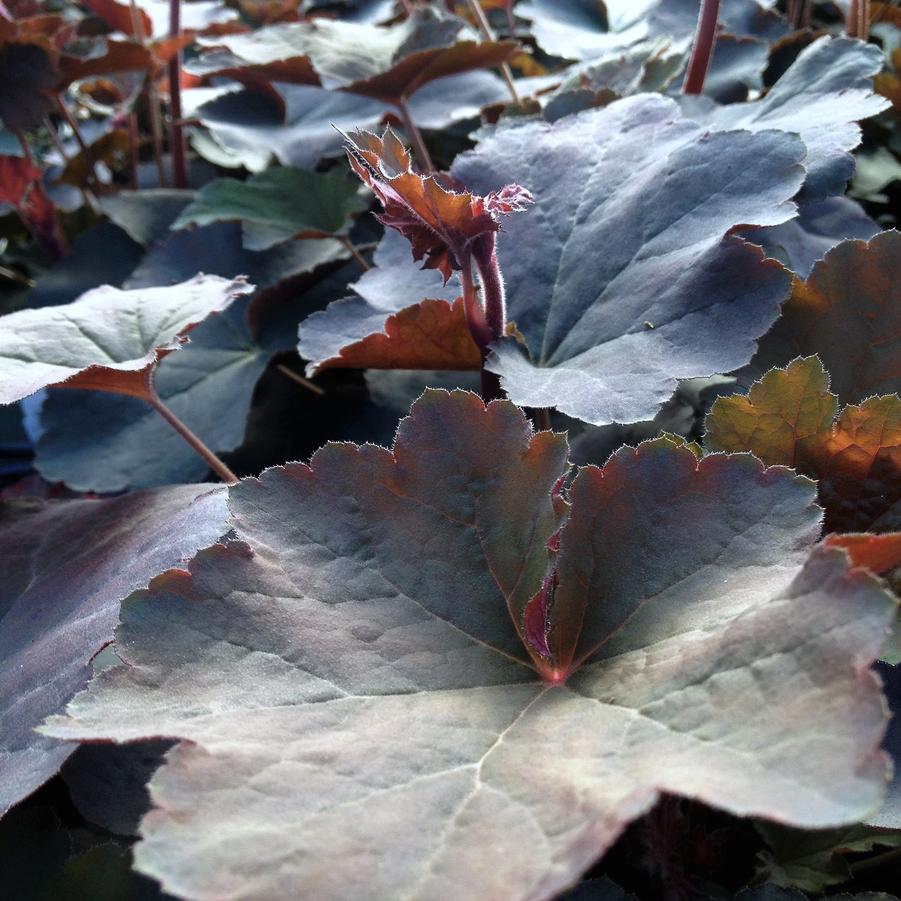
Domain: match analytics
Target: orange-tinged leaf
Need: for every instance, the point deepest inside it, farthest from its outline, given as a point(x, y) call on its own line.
point(120, 56)
point(781, 413)
point(110, 148)
point(119, 17)
point(418, 69)
point(433, 334)
point(789, 418)
point(878, 553)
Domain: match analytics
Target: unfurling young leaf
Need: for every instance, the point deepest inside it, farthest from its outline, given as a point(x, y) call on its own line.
point(441, 224)
point(791, 418)
point(361, 716)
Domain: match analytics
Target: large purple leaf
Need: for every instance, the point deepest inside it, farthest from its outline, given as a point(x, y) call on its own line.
point(621, 278)
point(361, 718)
point(822, 96)
point(66, 565)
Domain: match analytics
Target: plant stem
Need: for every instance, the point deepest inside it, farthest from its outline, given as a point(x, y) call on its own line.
point(196, 444)
point(152, 99)
point(343, 239)
point(306, 383)
point(851, 22)
point(488, 34)
point(136, 23)
point(69, 119)
point(475, 315)
point(511, 22)
point(156, 131)
point(798, 13)
point(543, 419)
point(480, 331)
point(857, 25)
point(422, 153)
point(177, 147)
point(493, 295)
point(702, 51)
point(57, 143)
point(134, 149)
point(17, 277)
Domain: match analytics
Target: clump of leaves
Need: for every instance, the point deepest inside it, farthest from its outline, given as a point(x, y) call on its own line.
point(362, 700)
point(453, 231)
point(790, 417)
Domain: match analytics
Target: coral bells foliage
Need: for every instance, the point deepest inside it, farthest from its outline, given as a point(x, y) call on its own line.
point(444, 226)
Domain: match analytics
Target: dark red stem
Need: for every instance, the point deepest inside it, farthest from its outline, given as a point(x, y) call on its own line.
point(176, 133)
point(702, 51)
point(134, 150)
point(798, 13)
point(852, 21)
point(479, 329)
point(511, 22)
point(415, 137)
point(484, 251)
point(193, 441)
point(858, 24)
point(70, 120)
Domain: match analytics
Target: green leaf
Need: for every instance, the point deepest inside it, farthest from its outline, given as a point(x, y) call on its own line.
point(277, 204)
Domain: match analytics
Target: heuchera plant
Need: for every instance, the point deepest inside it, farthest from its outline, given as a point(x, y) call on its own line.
point(450, 231)
point(619, 623)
